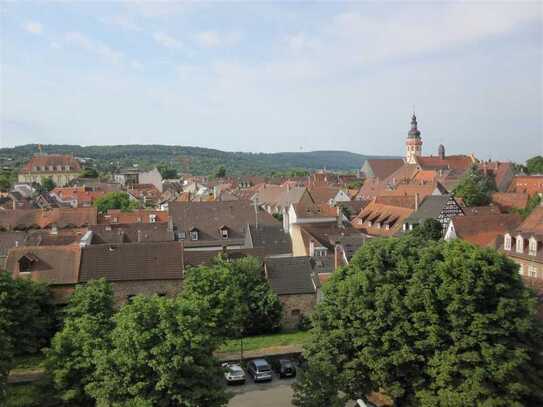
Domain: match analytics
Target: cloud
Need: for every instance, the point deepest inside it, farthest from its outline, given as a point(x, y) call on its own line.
point(167, 41)
point(122, 21)
point(98, 48)
point(214, 39)
point(33, 27)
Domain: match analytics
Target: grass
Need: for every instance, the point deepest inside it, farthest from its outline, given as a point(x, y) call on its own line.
point(31, 394)
point(29, 362)
point(266, 341)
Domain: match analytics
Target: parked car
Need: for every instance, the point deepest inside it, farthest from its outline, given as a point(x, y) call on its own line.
point(233, 373)
point(284, 367)
point(260, 370)
point(366, 403)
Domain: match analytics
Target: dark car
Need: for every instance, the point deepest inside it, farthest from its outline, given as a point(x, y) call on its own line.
point(284, 368)
point(260, 370)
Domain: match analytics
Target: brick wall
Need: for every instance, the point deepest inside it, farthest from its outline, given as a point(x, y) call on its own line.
point(294, 306)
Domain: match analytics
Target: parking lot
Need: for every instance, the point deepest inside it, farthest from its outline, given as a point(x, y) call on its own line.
point(277, 393)
point(274, 393)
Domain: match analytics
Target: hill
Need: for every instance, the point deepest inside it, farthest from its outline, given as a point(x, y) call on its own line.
point(196, 160)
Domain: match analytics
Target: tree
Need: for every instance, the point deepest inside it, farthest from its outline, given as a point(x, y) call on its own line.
point(27, 320)
point(430, 324)
point(264, 310)
point(48, 184)
point(535, 165)
point(430, 229)
point(533, 202)
point(238, 294)
point(71, 360)
point(5, 183)
point(475, 188)
point(89, 172)
point(166, 171)
point(161, 354)
point(221, 172)
point(29, 311)
point(115, 200)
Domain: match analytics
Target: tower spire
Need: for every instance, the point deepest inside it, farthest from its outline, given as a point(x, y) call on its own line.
point(413, 142)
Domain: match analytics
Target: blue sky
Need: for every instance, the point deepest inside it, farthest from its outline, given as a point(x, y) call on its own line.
point(274, 76)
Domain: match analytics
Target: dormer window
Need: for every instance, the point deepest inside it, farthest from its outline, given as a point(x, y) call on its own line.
point(378, 224)
point(51, 168)
point(194, 234)
point(152, 218)
point(520, 244)
point(507, 242)
point(181, 235)
point(532, 248)
point(321, 252)
point(67, 167)
point(26, 262)
point(223, 230)
point(387, 226)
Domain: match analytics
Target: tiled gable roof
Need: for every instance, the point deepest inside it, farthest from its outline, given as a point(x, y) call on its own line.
point(290, 275)
point(43, 218)
point(132, 261)
point(54, 160)
point(131, 233)
point(483, 230)
point(382, 168)
point(510, 200)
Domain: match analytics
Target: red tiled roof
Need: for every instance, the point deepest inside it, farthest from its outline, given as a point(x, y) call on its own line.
point(43, 218)
point(456, 162)
point(510, 200)
point(382, 168)
point(136, 216)
point(390, 214)
point(533, 223)
point(483, 230)
point(46, 160)
point(530, 184)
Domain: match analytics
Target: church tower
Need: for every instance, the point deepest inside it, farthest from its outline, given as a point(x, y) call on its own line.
point(413, 143)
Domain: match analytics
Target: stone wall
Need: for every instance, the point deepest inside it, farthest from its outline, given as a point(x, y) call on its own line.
point(294, 306)
point(123, 290)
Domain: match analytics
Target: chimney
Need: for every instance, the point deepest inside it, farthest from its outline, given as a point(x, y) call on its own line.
point(337, 253)
point(339, 217)
point(416, 201)
point(311, 248)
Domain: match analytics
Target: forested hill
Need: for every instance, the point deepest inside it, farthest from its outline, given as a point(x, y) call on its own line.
point(196, 160)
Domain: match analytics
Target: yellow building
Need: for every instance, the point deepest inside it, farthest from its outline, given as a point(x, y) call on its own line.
point(60, 168)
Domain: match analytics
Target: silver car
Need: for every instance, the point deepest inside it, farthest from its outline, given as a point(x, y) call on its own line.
point(233, 373)
point(260, 370)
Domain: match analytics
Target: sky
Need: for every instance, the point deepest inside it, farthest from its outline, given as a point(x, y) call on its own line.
point(275, 76)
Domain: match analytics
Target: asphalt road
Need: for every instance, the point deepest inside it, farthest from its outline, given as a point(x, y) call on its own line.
point(277, 393)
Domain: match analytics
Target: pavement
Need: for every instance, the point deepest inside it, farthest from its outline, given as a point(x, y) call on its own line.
point(277, 393)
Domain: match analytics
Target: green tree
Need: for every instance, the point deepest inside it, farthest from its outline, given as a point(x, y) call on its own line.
point(161, 354)
point(430, 229)
point(5, 184)
point(264, 310)
point(238, 294)
point(475, 188)
point(533, 202)
point(166, 171)
point(48, 184)
point(27, 320)
point(71, 360)
point(115, 200)
point(535, 165)
point(215, 287)
point(430, 324)
point(221, 172)
point(89, 172)
point(29, 311)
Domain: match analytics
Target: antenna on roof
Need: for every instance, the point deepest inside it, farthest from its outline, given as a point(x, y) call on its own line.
point(255, 202)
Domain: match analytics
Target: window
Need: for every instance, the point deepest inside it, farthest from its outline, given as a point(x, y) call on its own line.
point(532, 271)
point(387, 226)
point(152, 218)
point(532, 248)
point(51, 168)
point(181, 235)
point(67, 168)
point(507, 242)
point(193, 235)
point(521, 269)
point(320, 252)
point(130, 297)
point(404, 227)
point(224, 233)
point(520, 244)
